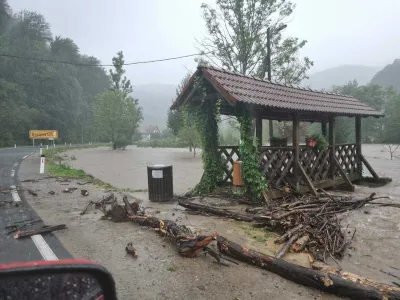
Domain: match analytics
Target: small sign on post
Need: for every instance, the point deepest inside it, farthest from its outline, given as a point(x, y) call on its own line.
point(42, 161)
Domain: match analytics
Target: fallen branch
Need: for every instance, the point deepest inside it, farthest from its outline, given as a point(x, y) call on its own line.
point(287, 245)
point(216, 211)
point(44, 229)
point(332, 281)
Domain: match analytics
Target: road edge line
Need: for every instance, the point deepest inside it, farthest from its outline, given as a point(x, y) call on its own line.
point(43, 247)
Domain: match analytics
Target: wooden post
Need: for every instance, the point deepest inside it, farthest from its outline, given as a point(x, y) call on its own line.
point(323, 128)
point(259, 130)
point(332, 146)
point(358, 145)
point(271, 130)
point(296, 149)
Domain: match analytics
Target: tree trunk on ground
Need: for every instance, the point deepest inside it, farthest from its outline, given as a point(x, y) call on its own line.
point(331, 281)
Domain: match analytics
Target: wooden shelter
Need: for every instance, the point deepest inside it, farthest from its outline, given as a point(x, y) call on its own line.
point(301, 167)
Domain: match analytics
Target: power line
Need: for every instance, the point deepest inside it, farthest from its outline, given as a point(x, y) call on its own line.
point(99, 65)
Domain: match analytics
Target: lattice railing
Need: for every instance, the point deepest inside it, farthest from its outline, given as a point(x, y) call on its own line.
point(315, 163)
point(346, 155)
point(277, 165)
point(229, 154)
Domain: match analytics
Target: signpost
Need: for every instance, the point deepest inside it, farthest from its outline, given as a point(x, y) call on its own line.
point(42, 134)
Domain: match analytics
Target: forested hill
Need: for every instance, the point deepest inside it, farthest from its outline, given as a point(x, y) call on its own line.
point(389, 76)
point(35, 94)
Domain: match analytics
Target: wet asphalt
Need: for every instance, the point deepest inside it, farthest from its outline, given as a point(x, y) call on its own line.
point(14, 214)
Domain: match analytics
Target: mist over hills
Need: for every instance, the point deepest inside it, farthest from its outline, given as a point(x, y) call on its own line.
point(341, 75)
point(157, 98)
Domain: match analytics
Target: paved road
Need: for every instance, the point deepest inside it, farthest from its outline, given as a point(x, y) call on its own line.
point(14, 209)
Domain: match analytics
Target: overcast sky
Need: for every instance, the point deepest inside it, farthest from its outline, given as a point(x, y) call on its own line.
point(338, 31)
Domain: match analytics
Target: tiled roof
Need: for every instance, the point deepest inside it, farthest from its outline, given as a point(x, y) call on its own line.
point(239, 88)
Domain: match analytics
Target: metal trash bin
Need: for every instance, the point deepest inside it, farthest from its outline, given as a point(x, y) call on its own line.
point(160, 183)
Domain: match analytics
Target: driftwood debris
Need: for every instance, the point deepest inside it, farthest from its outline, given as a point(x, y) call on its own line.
point(316, 217)
point(44, 229)
point(328, 279)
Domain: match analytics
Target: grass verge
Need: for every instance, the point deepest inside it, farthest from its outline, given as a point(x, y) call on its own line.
point(57, 167)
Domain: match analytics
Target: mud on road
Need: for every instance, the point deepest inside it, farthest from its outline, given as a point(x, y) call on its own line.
point(158, 272)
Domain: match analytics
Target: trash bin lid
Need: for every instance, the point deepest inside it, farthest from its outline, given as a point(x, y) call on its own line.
point(159, 166)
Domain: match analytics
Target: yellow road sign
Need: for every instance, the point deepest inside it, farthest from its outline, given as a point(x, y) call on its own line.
point(43, 134)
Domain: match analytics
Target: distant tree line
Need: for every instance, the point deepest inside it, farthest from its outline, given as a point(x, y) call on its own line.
point(38, 94)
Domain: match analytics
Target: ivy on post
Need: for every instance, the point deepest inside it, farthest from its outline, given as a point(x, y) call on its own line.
point(206, 117)
point(254, 181)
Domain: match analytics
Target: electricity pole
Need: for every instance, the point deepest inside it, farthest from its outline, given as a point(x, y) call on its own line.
point(268, 65)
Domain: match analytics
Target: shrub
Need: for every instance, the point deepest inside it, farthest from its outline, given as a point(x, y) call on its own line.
point(163, 143)
point(120, 144)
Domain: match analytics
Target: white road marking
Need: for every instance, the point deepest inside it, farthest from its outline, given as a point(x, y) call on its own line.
point(37, 239)
point(14, 193)
point(12, 173)
point(43, 247)
point(16, 164)
point(25, 156)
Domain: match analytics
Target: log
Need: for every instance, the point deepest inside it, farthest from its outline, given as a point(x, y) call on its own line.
point(288, 234)
point(287, 245)
point(216, 211)
point(44, 229)
point(301, 243)
point(336, 282)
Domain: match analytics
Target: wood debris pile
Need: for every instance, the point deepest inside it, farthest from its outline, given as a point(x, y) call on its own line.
point(311, 223)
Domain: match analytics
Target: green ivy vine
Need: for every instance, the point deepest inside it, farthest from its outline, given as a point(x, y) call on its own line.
point(254, 181)
point(206, 117)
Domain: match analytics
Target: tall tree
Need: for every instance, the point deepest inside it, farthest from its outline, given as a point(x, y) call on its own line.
point(116, 117)
point(237, 37)
point(5, 15)
point(121, 82)
point(175, 120)
point(35, 94)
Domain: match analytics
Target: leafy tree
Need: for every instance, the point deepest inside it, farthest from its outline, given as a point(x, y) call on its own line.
point(191, 137)
point(121, 83)
point(237, 35)
point(116, 117)
point(175, 120)
point(373, 95)
point(41, 95)
point(5, 15)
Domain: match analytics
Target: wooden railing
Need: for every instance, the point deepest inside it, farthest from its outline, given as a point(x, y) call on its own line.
point(276, 163)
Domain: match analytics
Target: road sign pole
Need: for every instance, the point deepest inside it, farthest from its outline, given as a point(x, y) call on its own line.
point(33, 140)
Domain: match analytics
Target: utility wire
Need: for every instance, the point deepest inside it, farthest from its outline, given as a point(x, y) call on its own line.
point(99, 65)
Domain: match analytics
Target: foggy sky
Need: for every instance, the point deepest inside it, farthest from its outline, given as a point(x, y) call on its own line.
point(338, 31)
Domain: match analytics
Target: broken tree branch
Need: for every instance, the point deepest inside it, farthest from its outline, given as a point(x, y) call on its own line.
point(336, 282)
point(44, 229)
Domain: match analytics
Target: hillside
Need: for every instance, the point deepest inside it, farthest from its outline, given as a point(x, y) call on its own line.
point(389, 76)
point(341, 75)
point(155, 100)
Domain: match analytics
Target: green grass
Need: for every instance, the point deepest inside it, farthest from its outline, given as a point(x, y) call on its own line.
point(172, 268)
point(55, 167)
point(259, 234)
